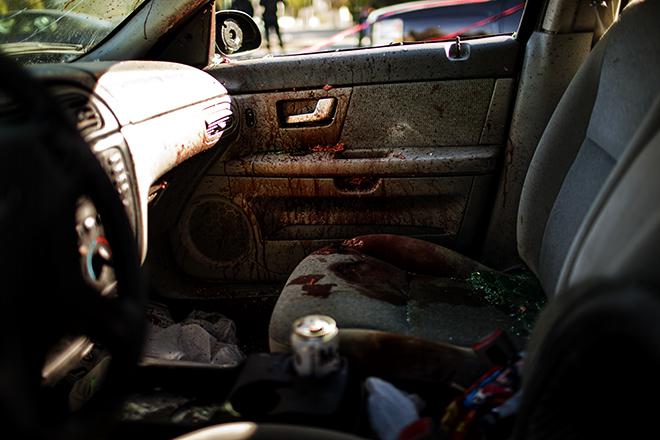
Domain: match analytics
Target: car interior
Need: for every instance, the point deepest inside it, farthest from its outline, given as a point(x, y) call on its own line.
point(171, 208)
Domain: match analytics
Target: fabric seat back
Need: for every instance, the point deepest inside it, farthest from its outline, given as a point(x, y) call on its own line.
point(588, 136)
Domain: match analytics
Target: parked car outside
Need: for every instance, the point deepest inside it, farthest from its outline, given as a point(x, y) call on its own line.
point(430, 20)
point(426, 20)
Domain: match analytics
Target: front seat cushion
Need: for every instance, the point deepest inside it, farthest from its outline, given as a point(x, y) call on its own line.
point(391, 283)
point(595, 132)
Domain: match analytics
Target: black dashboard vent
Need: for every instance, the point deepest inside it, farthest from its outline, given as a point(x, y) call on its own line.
point(10, 112)
point(82, 111)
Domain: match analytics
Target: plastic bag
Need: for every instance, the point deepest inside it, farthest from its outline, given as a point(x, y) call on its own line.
point(208, 338)
point(390, 409)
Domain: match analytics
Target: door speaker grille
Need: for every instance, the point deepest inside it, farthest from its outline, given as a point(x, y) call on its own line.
point(219, 230)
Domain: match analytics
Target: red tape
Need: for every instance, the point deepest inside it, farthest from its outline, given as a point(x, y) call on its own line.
point(359, 27)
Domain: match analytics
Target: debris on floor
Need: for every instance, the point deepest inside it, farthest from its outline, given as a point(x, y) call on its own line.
point(490, 403)
point(194, 414)
point(154, 407)
point(160, 407)
point(208, 338)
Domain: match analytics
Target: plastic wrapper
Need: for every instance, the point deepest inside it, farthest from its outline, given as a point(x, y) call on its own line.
point(390, 409)
point(208, 338)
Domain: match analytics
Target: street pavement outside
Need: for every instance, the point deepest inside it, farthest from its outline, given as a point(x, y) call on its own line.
point(298, 40)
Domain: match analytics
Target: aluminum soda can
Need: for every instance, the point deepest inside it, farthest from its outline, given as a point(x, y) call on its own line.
point(315, 343)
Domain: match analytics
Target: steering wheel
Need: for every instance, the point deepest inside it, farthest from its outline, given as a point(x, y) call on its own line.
point(45, 168)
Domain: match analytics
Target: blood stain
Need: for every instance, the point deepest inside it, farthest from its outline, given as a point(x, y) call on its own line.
point(338, 148)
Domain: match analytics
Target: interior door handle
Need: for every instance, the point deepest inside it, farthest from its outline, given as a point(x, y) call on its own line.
point(322, 112)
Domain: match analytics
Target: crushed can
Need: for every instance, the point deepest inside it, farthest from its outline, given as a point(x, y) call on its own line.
point(315, 344)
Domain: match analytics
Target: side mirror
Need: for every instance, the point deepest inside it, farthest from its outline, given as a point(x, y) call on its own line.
point(235, 31)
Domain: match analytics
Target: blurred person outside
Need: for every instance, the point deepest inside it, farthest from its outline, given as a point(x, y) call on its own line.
point(270, 20)
point(244, 6)
point(362, 21)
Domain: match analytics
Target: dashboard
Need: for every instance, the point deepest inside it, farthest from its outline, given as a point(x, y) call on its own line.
point(141, 119)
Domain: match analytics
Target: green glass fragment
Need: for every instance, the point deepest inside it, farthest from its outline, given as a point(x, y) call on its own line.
point(518, 294)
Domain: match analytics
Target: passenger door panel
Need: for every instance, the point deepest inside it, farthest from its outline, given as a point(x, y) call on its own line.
point(411, 152)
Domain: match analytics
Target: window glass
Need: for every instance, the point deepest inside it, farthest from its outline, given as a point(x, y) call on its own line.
point(307, 26)
point(58, 30)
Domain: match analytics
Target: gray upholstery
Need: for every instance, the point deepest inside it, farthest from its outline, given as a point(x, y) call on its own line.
point(627, 215)
point(580, 190)
point(370, 285)
point(592, 127)
point(587, 336)
point(565, 132)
